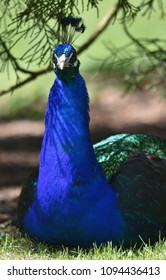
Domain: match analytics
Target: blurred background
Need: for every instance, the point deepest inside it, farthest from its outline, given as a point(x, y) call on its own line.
point(112, 109)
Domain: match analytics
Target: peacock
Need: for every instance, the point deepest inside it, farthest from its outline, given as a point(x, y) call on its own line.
point(83, 194)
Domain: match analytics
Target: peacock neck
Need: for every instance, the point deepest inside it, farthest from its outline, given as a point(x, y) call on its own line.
point(67, 158)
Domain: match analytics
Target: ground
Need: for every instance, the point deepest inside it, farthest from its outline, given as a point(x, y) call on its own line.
point(111, 113)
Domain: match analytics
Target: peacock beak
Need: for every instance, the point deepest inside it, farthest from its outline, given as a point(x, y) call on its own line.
point(62, 62)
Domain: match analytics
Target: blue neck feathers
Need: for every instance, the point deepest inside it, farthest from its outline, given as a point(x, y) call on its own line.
point(73, 194)
point(67, 158)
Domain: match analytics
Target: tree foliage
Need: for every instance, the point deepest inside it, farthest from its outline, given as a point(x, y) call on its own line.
point(39, 22)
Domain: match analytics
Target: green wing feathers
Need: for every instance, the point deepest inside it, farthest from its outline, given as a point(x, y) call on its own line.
point(113, 151)
point(135, 166)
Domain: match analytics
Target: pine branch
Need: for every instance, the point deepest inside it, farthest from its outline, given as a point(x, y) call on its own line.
point(30, 78)
point(99, 30)
point(101, 27)
point(39, 21)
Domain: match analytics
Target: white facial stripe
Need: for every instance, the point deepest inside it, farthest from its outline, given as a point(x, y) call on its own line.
point(56, 56)
point(64, 59)
point(76, 63)
point(69, 57)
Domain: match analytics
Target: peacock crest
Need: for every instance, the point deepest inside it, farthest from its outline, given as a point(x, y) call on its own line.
point(71, 29)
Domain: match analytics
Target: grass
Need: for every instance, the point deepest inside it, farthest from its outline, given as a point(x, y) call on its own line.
point(13, 246)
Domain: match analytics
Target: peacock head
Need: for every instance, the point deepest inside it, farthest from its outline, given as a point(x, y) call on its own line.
point(65, 62)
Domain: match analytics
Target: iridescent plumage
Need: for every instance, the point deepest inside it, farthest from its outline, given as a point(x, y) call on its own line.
point(114, 191)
